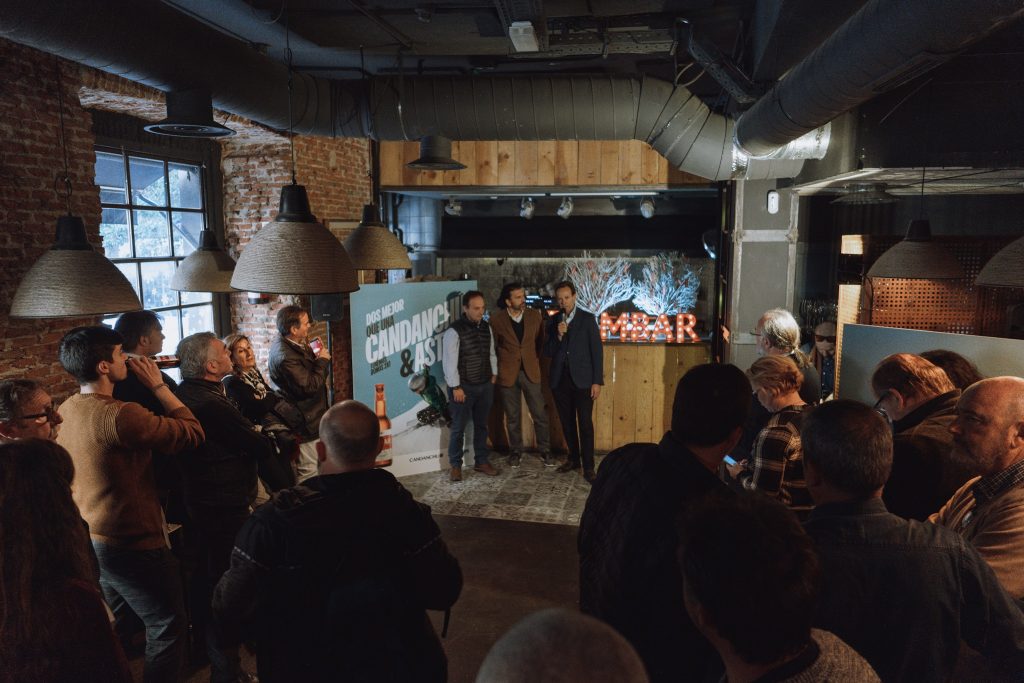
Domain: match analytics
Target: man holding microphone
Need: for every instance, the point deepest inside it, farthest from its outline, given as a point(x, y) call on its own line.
point(577, 373)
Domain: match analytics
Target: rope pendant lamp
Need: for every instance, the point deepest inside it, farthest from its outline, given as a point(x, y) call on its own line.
point(1006, 268)
point(294, 253)
point(207, 269)
point(916, 256)
point(373, 247)
point(72, 279)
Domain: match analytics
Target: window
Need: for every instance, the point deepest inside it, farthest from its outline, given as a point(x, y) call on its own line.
point(153, 212)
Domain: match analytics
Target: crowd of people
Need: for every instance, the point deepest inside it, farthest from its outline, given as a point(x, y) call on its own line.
point(774, 533)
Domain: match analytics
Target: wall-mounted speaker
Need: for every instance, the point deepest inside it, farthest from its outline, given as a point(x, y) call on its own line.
point(328, 307)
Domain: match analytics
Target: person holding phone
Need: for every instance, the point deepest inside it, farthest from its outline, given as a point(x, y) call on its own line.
point(301, 374)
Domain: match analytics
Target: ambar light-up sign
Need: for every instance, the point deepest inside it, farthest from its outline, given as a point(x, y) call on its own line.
point(637, 327)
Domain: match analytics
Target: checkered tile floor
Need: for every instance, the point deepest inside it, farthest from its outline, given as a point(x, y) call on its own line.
point(531, 493)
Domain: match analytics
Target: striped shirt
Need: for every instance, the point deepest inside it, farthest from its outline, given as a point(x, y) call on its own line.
point(776, 466)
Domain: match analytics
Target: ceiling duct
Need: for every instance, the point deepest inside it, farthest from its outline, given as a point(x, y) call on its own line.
point(189, 115)
point(884, 45)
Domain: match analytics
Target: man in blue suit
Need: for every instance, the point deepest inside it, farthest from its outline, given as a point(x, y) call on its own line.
point(577, 373)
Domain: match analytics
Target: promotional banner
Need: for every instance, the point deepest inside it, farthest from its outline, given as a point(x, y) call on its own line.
point(396, 367)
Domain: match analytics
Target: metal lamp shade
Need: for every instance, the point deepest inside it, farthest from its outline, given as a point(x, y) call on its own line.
point(207, 269)
point(373, 247)
point(294, 254)
point(189, 115)
point(1006, 268)
point(73, 280)
point(436, 155)
point(916, 257)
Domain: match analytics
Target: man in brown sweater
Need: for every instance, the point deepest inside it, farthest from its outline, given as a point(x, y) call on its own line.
point(518, 340)
point(111, 444)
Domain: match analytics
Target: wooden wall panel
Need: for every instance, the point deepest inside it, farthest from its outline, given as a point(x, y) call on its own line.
point(544, 163)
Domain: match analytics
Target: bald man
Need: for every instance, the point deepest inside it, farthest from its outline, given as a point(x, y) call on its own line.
point(988, 511)
point(334, 575)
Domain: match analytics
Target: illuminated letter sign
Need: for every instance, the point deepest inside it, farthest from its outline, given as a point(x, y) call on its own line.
point(638, 327)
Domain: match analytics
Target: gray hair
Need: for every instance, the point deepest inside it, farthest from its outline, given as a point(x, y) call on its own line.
point(780, 329)
point(193, 352)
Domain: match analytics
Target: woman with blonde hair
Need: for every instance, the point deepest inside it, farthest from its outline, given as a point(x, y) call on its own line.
point(53, 624)
point(265, 408)
point(776, 463)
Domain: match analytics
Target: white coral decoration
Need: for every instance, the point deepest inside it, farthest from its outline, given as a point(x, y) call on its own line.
point(667, 286)
point(600, 282)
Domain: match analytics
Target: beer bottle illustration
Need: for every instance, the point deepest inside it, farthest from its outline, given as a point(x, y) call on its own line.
point(381, 408)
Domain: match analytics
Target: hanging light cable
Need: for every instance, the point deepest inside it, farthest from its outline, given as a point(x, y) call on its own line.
point(71, 279)
point(916, 256)
point(294, 253)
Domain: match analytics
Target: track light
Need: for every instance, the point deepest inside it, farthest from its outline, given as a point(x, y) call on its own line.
point(647, 207)
point(526, 208)
point(453, 207)
point(565, 210)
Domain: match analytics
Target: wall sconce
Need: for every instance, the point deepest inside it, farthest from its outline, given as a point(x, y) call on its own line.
point(565, 209)
point(527, 208)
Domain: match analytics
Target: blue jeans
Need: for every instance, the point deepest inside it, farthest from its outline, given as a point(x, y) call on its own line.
point(149, 583)
point(478, 406)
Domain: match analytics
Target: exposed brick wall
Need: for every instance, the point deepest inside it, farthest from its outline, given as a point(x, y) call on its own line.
point(255, 164)
point(30, 157)
point(334, 174)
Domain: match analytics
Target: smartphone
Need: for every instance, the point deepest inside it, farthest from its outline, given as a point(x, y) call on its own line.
point(316, 345)
point(729, 460)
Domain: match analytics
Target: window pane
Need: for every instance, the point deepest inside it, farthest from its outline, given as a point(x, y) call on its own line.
point(114, 231)
point(151, 234)
point(109, 322)
point(131, 272)
point(110, 178)
point(147, 177)
point(198, 319)
point(186, 228)
point(195, 297)
point(186, 189)
point(172, 331)
point(156, 285)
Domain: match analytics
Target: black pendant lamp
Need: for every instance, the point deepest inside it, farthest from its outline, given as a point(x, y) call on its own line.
point(72, 279)
point(294, 253)
point(189, 115)
point(436, 155)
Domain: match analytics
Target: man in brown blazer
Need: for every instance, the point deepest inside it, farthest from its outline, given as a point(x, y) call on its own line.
point(518, 338)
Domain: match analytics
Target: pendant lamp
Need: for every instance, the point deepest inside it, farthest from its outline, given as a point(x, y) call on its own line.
point(189, 115)
point(373, 247)
point(72, 279)
point(294, 253)
point(916, 256)
point(1006, 268)
point(207, 269)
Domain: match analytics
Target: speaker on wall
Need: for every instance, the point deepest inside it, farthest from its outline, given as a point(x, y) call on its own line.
point(327, 307)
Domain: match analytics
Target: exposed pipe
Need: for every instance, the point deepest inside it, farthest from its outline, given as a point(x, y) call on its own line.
point(884, 45)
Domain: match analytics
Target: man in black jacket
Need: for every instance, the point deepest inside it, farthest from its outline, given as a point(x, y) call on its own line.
point(629, 573)
point(334, 575)
point(577, 374)
point(901, 592)
point(220, 483)
point(302, 375)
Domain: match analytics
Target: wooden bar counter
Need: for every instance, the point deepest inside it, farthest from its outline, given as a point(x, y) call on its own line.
point(635, 402)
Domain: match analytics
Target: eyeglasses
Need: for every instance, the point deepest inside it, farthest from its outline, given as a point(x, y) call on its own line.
point(48, 415)
point(831, 339)
point(880, 410)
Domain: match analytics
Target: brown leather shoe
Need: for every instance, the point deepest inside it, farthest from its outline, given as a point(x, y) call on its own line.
point(567, 467)
point(455, 474)
point(486, 468)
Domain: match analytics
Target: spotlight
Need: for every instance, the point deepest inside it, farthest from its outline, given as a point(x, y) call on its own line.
point(565, 210)
point(647, 207)
point(526, 208)
point(453, 207)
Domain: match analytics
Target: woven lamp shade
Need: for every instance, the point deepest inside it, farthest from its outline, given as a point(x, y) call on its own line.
point(1006, 268)
point(373, 247)
point(294, 254)
point(207, 269)
point(916, 257)
point(73, 280)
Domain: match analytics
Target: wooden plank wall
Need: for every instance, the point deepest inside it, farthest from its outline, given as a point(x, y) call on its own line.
point(635, 402)
point(544, 163)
